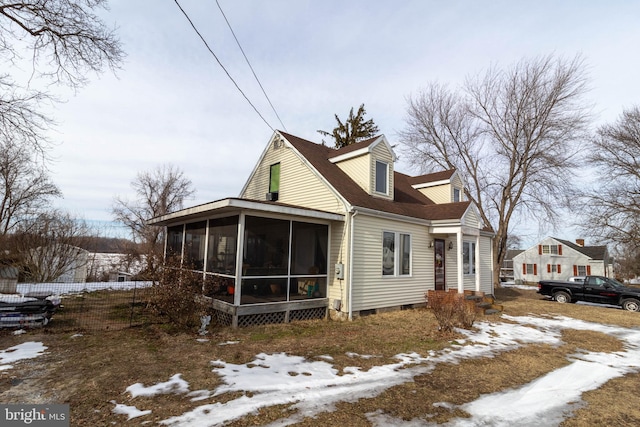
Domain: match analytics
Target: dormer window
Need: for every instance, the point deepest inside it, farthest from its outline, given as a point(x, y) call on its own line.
point(382, 177)
point(456, 194)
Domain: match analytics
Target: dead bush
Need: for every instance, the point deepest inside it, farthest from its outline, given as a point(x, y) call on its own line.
point(177, 294)
point(451, 309)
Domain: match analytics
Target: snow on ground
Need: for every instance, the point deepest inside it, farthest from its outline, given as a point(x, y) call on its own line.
point(311, 387)
point(74, 288)
point(26, 350)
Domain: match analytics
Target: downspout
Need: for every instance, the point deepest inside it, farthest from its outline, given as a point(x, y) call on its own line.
point(476, 261)
point(459, 261)
point(352, 215)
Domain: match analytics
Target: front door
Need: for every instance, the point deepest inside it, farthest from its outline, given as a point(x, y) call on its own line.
point(438, 246)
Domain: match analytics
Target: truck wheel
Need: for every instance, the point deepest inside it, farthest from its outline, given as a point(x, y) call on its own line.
point(631, 304)
point(562, 297)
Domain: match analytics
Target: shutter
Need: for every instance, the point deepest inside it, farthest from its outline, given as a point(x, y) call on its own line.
point(535, 269)
point(548, 268)
point(559, 249)
point(575, 270)
point(524, 268)
point(588, 270)
point(539, 249)
point(559, 269)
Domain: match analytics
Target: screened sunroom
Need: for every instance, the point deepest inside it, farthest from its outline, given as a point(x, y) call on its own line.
point(260, 262)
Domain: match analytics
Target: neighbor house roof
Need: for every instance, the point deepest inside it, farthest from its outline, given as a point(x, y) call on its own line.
point(593, 252)
point(407, 200)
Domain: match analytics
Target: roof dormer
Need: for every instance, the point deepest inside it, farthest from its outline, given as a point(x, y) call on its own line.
point(440, 187)
point(370, 164)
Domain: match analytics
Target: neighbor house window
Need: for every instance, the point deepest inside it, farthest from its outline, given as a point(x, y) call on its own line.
point(469, 257)
point(550, 249)
point(581, 270)
point(456, 194)
point(382, 177)
point(530, 269)
point(274, 178)
point(392, 258)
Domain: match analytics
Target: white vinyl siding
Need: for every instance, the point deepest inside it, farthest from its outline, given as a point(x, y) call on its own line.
point(485, 265)
point(371, 289)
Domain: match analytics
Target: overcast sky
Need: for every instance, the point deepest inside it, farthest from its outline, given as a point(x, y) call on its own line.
point(173, 103)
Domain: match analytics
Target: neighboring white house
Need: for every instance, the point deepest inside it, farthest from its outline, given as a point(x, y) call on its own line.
point(556, 259)
point(317, 228)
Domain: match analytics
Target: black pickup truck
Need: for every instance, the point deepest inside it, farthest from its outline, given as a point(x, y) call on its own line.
point(596, 289)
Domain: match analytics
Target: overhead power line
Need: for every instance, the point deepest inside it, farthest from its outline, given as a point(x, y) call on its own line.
point(220, 63)
point(249, 64)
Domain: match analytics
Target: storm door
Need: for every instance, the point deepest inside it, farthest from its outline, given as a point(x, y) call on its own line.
point(439, 279)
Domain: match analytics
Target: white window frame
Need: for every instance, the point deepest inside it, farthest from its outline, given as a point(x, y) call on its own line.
point(469, 266)
point(398, 254)
point(582, 270)
point(386, 178)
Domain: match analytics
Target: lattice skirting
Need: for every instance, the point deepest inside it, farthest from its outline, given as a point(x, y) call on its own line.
point(226, 319)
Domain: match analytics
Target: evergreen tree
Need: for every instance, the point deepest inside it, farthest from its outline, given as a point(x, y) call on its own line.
point(354, 129)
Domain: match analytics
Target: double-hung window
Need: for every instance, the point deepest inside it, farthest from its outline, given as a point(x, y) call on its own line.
point(382, 177)
point(396, 254)
point(469, 257)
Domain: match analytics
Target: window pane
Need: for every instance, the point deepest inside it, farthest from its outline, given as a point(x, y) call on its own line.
point(545, 249)
point(466, 258)
point(554, 249)
point(266, 247)
point(223, 238)
point(381, 177)
point(388, 253)
point(456, 195)
point(582, 270)
point(194, 242)
point(309, 247)
point(405, 243)
point(274, 178)
point(174, 240)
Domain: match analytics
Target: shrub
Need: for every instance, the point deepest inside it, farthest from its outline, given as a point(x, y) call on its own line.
point(177, 294)
point(451, 310)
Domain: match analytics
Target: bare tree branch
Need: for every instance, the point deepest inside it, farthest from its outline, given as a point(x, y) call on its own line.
point(513, 134)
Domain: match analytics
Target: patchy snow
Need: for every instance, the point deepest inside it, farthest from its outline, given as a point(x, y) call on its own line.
point(175, 385)
point(312, 387)
point(75, 288)
point(228, 343)
point(26, 350)
point(130, 411)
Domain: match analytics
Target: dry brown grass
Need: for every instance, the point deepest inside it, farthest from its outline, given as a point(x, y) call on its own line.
point(89, 371)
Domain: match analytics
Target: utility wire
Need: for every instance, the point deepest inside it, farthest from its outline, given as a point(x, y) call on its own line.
point(220, 63)
point(249, 64)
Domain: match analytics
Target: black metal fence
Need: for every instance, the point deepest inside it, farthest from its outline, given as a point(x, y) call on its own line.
point(91, 306)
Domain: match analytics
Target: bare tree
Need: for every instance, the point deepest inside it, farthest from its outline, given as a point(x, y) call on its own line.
point(63, 40)
point(613, 208)
point(354, 129)
point(158, 192)
point(47, 246)
point(513, 134)
point(25, 187)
